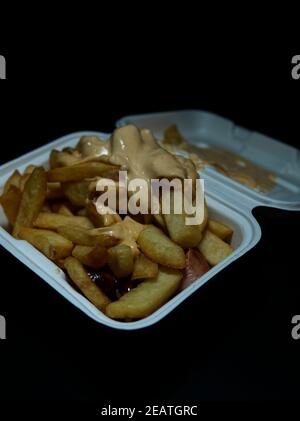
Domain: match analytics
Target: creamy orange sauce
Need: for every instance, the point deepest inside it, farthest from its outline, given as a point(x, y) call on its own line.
point(135, 151)
point(142, 156)
point(230, 164)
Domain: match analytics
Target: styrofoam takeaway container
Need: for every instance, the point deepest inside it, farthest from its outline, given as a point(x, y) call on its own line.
point(223, 199)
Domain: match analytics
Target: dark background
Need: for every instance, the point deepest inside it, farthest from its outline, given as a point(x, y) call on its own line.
point(232, 339)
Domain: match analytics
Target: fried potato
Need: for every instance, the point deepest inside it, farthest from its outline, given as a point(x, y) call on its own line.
point(10, 201)
point(53, 245)
point(147, 296)
point(82, 280)
point(55, 220)
point(132, 228)
point(54, 191)
point(77, 192)
point(32, 200)
point(61, 207)
point(93, 257)
point(213, 248)
point(78, 172)
point(159, 248)
point(29, 169)
point(53, 158)
point(219, 229)
point(100, 220)
point(120, 260)
point(23, 180)
point(187, 236)
point(62, 158)
point(159, 219)
point(83, 237)
point(64, 210)
point(13, 180)
point(144, 268)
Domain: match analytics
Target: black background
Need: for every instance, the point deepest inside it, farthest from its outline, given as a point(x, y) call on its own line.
point(232, 339)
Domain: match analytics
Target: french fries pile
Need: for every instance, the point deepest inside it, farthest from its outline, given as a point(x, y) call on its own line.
point(126, 266)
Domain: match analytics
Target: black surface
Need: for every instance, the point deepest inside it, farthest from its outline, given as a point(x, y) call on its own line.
point(232, 339)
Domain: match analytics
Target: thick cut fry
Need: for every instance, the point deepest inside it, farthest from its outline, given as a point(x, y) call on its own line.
point(213, 248)
point(29, 169)
point(83, 236)
point(64, 210)
point(53, 245)
point(159, 219)
point(10, 201)
point(147, 296)
point(159, 248)
point(77, 192)
point(54, 191)
point(78, 172)
point(100, 220)
point(23, 180)
point(187, 236)
point(80, 278)
point(55, 220)
point(220, 230)
point(120, 260)
point(93, 257)
point(13, 180)
point(32, 200)
point(144, 268)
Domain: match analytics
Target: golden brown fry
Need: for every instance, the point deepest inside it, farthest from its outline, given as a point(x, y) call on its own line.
point(83, 236)
point(29, 169)
point(144, 268)
point(54, 191)
point(62, 158)
point(53, 245)
point(80, 278)
point(55, 220)
point(219, 229)
point(100, 220)
point(64, 210)
point(159, 219)
point(147, 296)
point(32, 200)
point(77, 192)
point(10, 201)
point(23, 180)
point(159, 248)
point(13, 180)
point(53, 158)
point(93, 257)
point(78, 172)
point(187, 236)
point(120, 260)
point(213, 248)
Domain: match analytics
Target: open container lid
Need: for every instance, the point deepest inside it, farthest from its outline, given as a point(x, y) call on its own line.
point(201, 126)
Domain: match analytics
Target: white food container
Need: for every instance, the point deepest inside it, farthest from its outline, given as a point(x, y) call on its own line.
point(227, 200)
